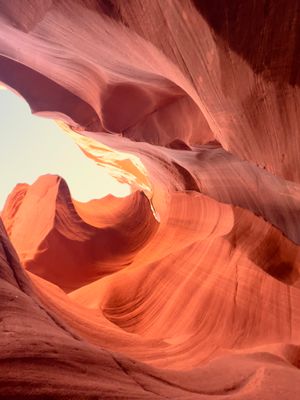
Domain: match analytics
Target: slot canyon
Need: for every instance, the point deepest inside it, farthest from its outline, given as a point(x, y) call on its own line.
point(187, 284)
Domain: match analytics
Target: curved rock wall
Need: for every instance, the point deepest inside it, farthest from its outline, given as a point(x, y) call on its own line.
point(189, 287)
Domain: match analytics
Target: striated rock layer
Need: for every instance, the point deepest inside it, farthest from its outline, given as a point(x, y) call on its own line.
point(189, 287)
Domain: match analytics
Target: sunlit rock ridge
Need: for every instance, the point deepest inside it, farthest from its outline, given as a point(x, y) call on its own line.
point(189, 287)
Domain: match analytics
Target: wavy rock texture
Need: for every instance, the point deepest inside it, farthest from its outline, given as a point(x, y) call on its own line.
point(87, 250)
point(189, 287)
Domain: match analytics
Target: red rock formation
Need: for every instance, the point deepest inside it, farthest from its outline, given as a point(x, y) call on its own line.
point(189, 287)
point(80, 252)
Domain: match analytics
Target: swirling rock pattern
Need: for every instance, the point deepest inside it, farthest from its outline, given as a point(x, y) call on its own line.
point(189, 287)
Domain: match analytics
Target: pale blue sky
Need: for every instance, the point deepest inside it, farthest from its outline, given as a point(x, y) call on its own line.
point(31, 146)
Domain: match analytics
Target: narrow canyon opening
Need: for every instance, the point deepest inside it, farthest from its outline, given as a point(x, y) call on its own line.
point(36, 146)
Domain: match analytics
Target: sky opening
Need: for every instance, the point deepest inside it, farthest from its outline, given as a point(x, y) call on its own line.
point(31, 146)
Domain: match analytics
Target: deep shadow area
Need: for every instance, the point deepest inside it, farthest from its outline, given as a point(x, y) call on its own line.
point(260, 32)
